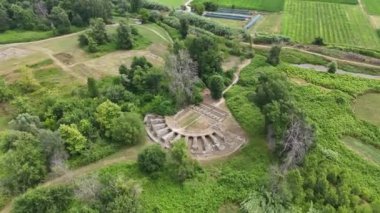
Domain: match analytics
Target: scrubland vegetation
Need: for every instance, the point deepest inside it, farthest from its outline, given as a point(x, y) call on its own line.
point(313, 138)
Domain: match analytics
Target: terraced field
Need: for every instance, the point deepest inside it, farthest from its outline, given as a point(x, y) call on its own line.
point(372, 6)
point(264, 5)
point(336, 23)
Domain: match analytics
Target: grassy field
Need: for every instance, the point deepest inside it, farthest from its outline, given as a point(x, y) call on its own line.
point(270, 23)
point(335, 23)
point(365, 151)
point(171, 3)
point(372, 6)
point(16, 36)
point(234, 24)
point(264, 5)
point(367, 107)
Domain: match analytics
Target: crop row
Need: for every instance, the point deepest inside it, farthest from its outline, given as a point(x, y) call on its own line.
point(335, 23)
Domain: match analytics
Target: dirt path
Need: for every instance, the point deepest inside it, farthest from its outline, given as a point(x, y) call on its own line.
point(188, 7)
point(125, 155)
point(235, 80)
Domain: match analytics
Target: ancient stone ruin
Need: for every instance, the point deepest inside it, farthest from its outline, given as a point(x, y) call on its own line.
point(203, 127)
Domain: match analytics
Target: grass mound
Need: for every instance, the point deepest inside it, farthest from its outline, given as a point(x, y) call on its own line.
point(367, 107)
point(365, 151)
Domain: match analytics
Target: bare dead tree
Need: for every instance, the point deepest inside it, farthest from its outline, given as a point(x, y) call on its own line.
point(88, 188)
point(297, 140)
point(183, 74)
point(40, 9)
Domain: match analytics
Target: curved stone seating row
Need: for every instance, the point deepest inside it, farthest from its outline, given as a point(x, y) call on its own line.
point(211, 112)
point(199, 144)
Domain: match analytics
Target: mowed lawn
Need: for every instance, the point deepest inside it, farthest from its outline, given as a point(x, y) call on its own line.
point(264, 5)
point(367, 107)
point(341, 24)
point(366, 151)
point(171, 3)
point(372, 6)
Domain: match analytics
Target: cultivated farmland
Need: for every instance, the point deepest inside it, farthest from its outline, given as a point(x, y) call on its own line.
point(264, 5)
point(336, 23)
point(372, 6)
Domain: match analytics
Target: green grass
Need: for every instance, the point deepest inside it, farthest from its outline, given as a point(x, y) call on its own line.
point(269, 23)
point(372, 6)
point(335, 23)
point(171, 3)
point(16, 36)
point(264, 5)
point(365, 151)
point(367, 107)
point(234, 24)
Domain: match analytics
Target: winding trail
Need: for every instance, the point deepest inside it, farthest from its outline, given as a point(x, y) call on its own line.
point(126, 155)
point(234, 81)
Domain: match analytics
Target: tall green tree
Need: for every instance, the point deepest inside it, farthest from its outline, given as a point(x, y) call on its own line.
point(136, 5)
point(216, 86)
point(106, 112)
point(124, 36)
point(127, 129)
point(23, 163)
point(274, 55)
point(4, 19)
point(184, 27)
point(92, 88)
point(206, 52)
point(98, 31)
point(75, 142)
point(60, 20)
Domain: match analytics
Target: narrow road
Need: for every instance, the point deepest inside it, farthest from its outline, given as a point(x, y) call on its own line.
point(188, 7)
point(234, 81)
point(125, 155)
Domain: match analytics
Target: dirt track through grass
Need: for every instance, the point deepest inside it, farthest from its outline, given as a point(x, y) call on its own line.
point(124, 155)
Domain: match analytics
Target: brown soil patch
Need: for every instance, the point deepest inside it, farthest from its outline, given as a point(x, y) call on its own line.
point(231, 62)
point(13, 52)
point(299, 81)
point(65, 58)
point(375, 21)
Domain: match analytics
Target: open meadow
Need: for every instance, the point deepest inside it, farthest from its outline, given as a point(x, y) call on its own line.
point(171, 3)
point(335, 23)
point(263, 5)
point(372, 6)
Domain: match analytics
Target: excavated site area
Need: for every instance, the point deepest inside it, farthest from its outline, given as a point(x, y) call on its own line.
point(208, 130)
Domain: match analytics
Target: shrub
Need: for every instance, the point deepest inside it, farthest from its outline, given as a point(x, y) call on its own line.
point(269, 39)
point(210, 6)
point(332, 67)
point(49, 199)
point(127, 129)
point(151, 159)
point(318, 41)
